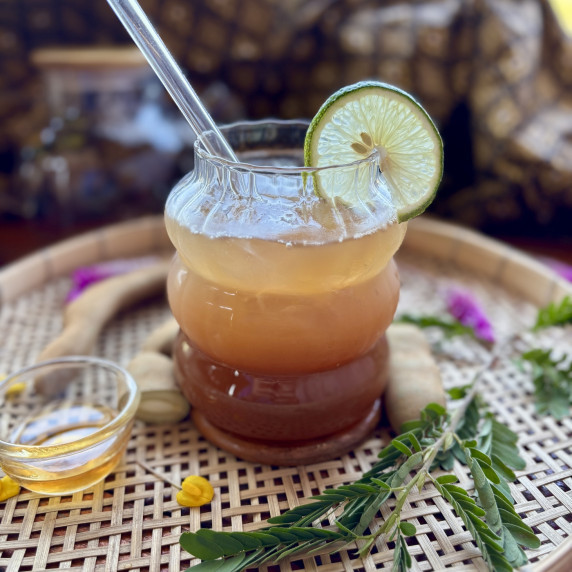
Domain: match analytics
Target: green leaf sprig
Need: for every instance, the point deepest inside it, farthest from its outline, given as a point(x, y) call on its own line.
point(555, 314)
point(449, 326)
point(551, 375)
point(552, 379)
point(469, 435)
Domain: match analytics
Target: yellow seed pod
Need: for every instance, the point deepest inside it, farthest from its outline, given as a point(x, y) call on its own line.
point(8, 488)
point(196, 491)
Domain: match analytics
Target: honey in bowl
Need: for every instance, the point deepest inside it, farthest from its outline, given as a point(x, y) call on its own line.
point(66, 423)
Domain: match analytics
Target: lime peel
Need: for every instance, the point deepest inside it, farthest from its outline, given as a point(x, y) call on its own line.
point(375, 117)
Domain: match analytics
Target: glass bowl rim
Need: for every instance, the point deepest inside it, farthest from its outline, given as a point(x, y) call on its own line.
point(124, 415)
point(206, 155)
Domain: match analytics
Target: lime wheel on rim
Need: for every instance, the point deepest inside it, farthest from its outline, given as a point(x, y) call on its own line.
point(369, 117)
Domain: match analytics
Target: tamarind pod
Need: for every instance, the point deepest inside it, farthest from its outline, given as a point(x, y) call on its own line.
point(161, 400)
point(414, 377)
point(161, 339)
point(85, 317)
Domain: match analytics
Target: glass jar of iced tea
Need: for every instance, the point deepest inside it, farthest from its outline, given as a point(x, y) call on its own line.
point(282, 297)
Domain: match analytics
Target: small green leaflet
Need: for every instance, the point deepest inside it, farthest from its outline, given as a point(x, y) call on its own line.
point(552, 379)
point(450, 327)
point(555, 314)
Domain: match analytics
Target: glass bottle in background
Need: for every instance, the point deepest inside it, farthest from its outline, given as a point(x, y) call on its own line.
point(110, 148)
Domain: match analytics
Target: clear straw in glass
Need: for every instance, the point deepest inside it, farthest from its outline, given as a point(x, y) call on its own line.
point(160, 59)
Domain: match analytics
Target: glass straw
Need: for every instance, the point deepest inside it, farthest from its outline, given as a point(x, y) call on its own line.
point(160, 59)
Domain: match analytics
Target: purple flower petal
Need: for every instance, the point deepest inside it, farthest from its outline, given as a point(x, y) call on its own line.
point(84, 276)
point(464, 307)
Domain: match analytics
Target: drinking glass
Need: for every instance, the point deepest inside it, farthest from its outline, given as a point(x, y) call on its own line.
point(282, 295)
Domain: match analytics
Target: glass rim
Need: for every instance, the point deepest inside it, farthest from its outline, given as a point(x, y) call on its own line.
point(124, 414)
point(204, 154)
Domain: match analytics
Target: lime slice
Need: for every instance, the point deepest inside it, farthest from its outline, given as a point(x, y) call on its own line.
point(372, 115)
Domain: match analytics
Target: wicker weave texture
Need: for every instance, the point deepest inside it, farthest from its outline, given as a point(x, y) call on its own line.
point(131, 521)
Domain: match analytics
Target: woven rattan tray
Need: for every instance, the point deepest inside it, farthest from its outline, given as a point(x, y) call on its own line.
point(132, 522)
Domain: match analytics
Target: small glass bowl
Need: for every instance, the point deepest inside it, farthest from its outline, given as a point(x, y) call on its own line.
point(65, 423)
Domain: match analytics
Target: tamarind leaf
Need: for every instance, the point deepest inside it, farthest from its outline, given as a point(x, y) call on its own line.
point(266, 540)
point(469, 426)
point(457, 491)
point(232, 564)
point(487, 426)
point(487, 448)
point(402, 447)
point(503, 501)
point(352, 512)
point(370, 511)
point(409, 437)
point(516, 527)
point(480, 456)
point(303, 547)
point(459, 392)
point(489, 472)
point(343, 528)
point(401, 558)
point(248, 541)
point(412, 425)
point(504, 471)
point(200, 547)
point(503, 489)
point(363, 488)
point(552, 382)
point(303, 514)
point(499, 563)
point(450, 327)
point(283, 535)
point(332, 496)
point(504, 446)
point(387, 458)
point(554, 314)
point(349, 491)
point(511, 518)
point(446, 462)
point(485, 492)
point(523, 537)
point(414, 442)
point(512, 551)
point(436, 408)
point(382, 484)
point(501, 432)
point(491, 536)
point(407, 528)
point(301, 533)
point(364, 550)
point(477, 521)
point(471, 507)
point(411, 463)
point(228, 543)
point(487, 540)
point(447, 479)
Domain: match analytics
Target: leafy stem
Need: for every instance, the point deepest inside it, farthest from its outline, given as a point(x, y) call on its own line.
point(469, 435)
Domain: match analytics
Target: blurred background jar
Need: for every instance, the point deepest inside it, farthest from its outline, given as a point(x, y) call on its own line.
point(106, 145)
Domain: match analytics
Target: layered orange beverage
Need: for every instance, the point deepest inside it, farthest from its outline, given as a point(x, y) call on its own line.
point(283, 293)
